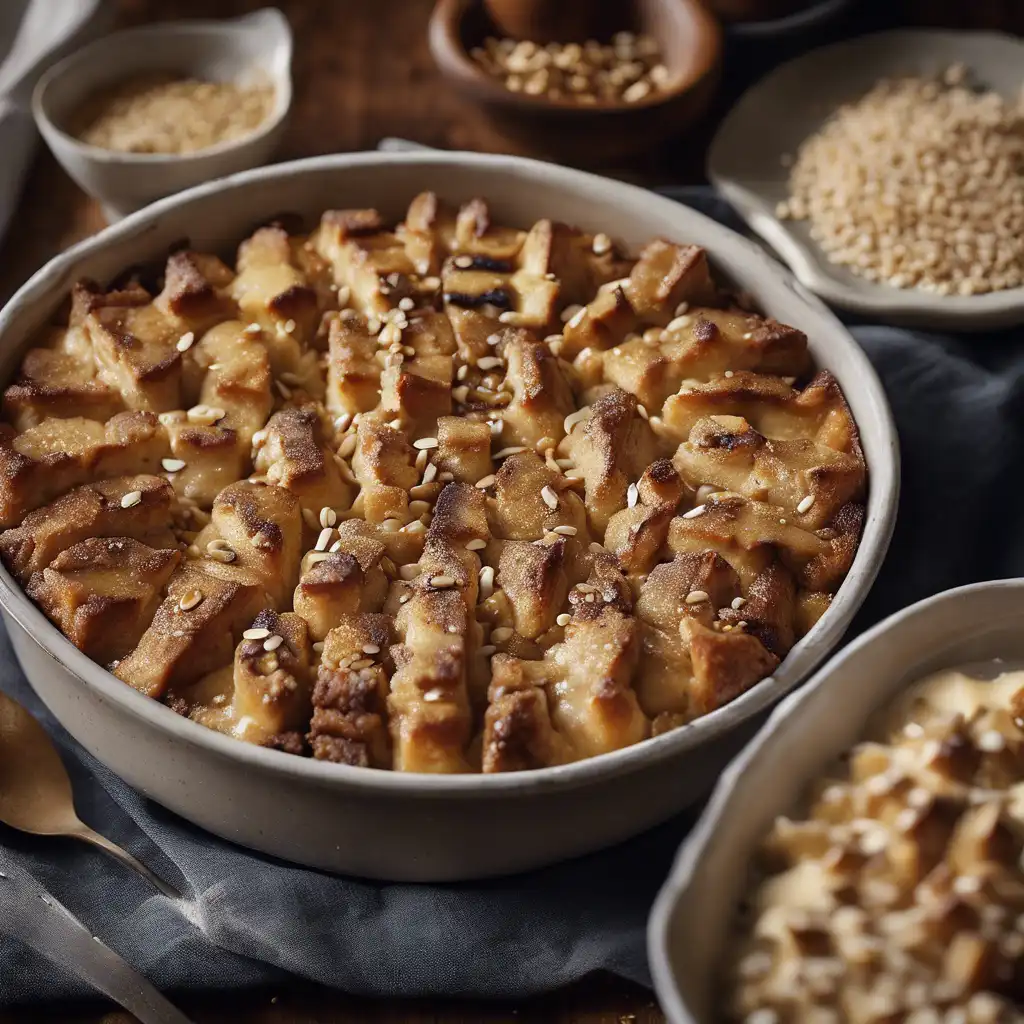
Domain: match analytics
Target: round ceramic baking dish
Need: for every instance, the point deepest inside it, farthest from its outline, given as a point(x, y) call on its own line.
point(690, 923)
point(427, 827)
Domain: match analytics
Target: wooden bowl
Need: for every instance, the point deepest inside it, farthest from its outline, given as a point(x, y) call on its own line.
point(599, 133)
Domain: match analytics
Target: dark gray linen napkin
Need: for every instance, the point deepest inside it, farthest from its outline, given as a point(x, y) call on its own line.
point(958, 404)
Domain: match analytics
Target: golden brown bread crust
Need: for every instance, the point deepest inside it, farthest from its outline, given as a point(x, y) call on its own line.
point(440, 496)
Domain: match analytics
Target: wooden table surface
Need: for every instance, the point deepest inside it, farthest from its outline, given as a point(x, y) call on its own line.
point(362, 72)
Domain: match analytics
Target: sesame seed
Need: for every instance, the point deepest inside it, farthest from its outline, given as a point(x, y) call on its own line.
point(698, 510)
point(253, 328)
point(497, 426)
point(696, 597)
point(131, 499)
point(409, 572)
point(463, 262)
point(406, 304)
point(502, 634)
point(334, 548)
point(565, 531)
point(256, 633)
point(485, 481)
point(490, 362)
point(371, 649)
point(476, 544)
point(642, 410)
point(991, 741)
point(737, 603)
point(429, 472)
point(632, 495)
point(289, 326)
point(512, 450)
point(315, 557)
point(185, 341)
point(324, 539)
point(486, 582)
point(328, 517)
point(563, 620)
point(729, 374)
point(442, 581)
point(805, 504)
point(189, 600)
point(425, 443)
point(578, 416)
point(172, 465)
point(549, 496)
point(679, 323)
point(510, 316)
point(318, 647)
point(578, 318)
point(569, 312)
point(681, 308)
point(283, 390)
point(602, 244)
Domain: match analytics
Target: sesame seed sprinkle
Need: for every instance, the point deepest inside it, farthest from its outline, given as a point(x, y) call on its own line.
point(172, 465)
point(698, 510)
point(805, 504)
point(256, 633)
point(632, 495)
point(424, 443)
point(185, 341)
point(189, 600)
point(563, 620)
point(696, 597)
point(549, 496)
point(131, 499)
point(273, 642)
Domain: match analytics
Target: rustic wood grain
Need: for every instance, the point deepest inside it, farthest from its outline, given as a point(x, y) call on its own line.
point(363, 71)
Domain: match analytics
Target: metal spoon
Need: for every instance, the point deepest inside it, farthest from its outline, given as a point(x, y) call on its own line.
point(35, 791)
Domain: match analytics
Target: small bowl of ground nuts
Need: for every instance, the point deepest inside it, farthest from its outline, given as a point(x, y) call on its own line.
point(888, 172)
point(150, 111)
point(592, 100)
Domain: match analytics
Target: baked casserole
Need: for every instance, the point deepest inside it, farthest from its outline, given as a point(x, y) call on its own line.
point(440, 496)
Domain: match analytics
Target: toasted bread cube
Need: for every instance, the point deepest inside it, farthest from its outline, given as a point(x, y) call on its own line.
point(134, 345)
point(56, 384)
point(518, 732)
point(103, 592)
point(724, 665)
point(541, 395)
point(213, 457)
point(533, 578)
point(263, 525)
point(237, 378)
point(353, 371)
point(611, 449)
point(418, 398)
point(428, 232)
point(195, 290)
point(428, 705)
point(637, 535)
point(94, 510)
point(272, 689)
point(296, 455)
point(363, 256)
point(749, 535)
point(592, 702)
point(463, 449)
point(523, 487)
point(272, 291)
point(183, 644)
point(330, 589)
point(725, 451)
point(349, 701)
point(383, 464)
point(44, 461)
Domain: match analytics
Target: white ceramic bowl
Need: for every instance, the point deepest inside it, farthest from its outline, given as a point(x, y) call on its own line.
point(242, 50)
point(423, 827)
point(693, 914)
point(774, 117)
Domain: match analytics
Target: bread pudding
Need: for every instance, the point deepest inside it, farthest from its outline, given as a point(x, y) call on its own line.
point(440, 496)
point(899, 896)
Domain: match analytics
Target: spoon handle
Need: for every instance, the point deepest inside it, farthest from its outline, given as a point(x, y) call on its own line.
point(30, 914)
point(127, 860)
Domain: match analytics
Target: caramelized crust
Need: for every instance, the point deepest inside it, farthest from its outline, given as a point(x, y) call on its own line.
point(442, 496)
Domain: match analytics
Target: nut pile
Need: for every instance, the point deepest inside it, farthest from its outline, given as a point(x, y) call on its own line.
point(919, 184)
point(627, 70)
point(163, 114)
point(900, 897)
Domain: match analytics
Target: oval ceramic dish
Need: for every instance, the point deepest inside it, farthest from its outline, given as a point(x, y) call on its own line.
point(773, 118)
point(691, 919)
point(427, 827)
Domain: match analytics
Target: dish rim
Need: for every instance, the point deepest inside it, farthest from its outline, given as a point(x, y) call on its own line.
point(807, 262)
point(218, 28)
point(885, 476)
point(702, 836)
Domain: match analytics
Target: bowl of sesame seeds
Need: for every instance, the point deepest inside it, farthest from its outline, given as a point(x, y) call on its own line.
point(591, 101)
point(152, 110)
point(888, 172)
